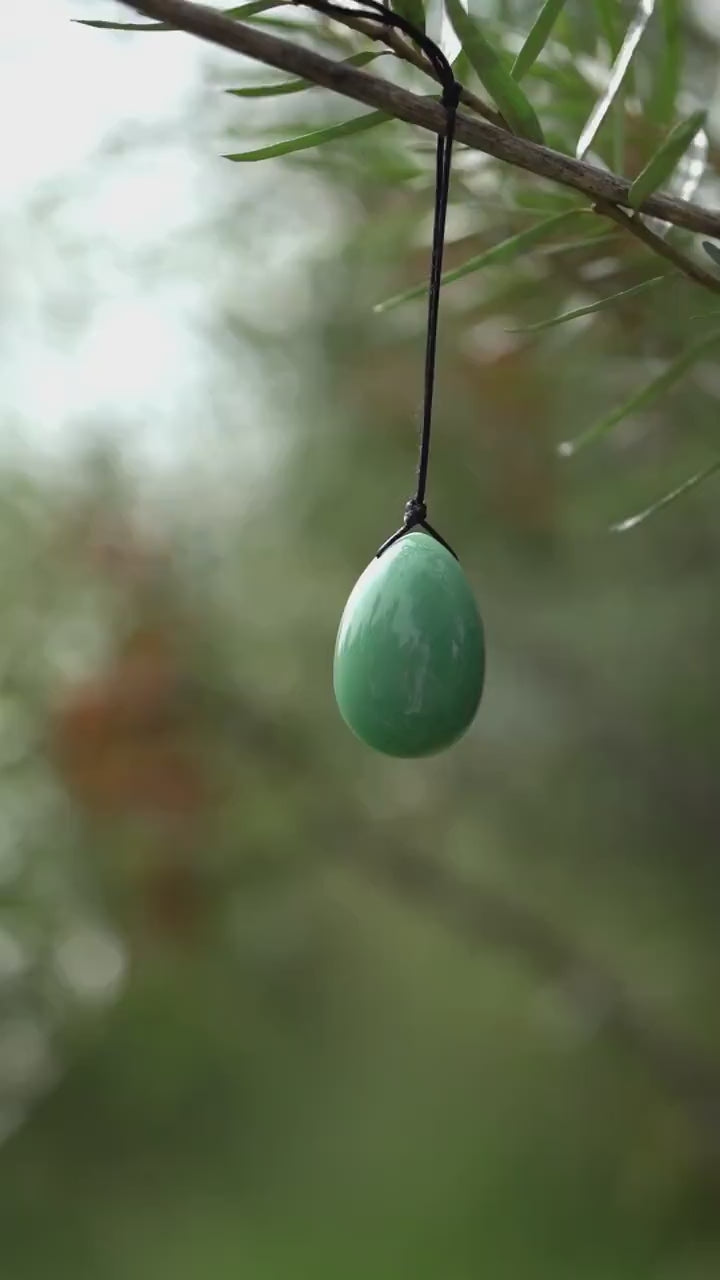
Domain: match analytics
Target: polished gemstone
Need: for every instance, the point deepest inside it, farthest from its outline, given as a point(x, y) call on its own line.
point(410, 654)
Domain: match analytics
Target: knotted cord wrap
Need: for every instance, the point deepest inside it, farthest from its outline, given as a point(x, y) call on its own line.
point(415, 514)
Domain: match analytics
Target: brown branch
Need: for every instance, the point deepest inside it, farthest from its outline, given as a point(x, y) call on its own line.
point(479, 135)
point(661, 247)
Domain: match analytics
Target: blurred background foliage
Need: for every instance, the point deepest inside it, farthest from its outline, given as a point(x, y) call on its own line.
point(273, 1006)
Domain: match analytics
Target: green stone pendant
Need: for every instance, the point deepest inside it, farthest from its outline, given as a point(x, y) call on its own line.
point(410, 653)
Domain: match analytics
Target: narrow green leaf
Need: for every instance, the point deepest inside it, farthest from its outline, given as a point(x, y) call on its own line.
point(608, 11)
point(296, 86)
point(633, 521)
point(504, 91)
point(600, 305)
point(610, 14)
point(618, 132)
point(412, 10)
point(571, 246)
point(297, 27)
point(462, 67)
point(660, 166)
point(315, 139)
point(645, 397)
point(538, 37)
point(499, 254)
point(712, 251)
point(254, 6)
point(636, 29)
point(237, 11)
point(669, 69)
point(101, 25)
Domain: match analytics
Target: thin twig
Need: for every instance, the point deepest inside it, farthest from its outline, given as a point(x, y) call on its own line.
point(662, 247)
point(480, 135)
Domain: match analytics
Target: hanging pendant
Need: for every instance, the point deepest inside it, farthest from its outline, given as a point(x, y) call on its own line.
point(410, 654)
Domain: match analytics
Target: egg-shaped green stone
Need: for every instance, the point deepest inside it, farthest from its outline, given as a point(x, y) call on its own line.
point(410, 654)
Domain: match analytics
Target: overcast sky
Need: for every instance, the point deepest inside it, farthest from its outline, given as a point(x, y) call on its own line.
point(82, 336)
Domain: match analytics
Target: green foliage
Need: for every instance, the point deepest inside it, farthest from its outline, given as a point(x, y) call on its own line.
point(621, 67)
point(510, 100)
point(412, 10)
point(576, 114)
point(600, 304)
point(669, 70)
point(610, 16)
point(359, 124)
point(285, 87)
point(663, 163)
point(537, 38)
point(502, 254)
point(243, 11)
point(647, 396)
point(633, 521)
point(399, 1046)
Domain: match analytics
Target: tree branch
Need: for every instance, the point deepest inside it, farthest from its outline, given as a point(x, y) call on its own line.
point(479, 135)
point(661, 247)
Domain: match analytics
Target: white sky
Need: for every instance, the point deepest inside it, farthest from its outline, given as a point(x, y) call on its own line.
point(64, 86)
point(127, 349)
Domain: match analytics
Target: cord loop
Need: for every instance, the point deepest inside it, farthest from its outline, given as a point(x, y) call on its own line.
point(415, 514)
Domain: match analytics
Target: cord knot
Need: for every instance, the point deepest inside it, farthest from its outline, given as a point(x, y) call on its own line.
point(415, 513)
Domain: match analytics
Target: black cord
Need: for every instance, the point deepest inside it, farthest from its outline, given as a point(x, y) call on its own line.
point(415, 514)
point(374, 11)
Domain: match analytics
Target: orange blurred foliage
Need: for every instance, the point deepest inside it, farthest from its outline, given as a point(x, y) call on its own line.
point(121, 743)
